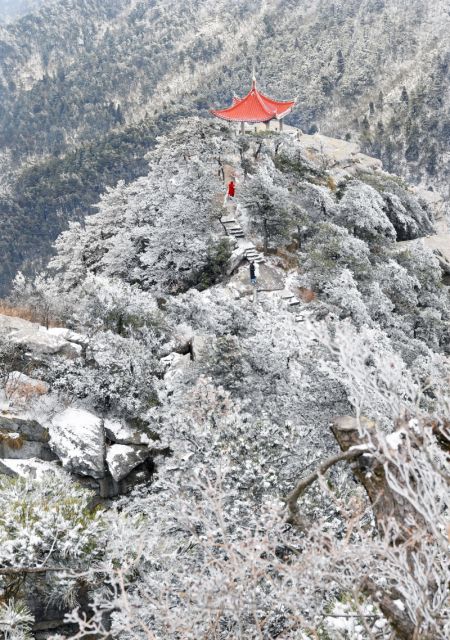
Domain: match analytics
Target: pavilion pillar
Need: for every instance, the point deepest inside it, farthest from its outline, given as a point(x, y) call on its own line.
point(242, 127)
point(268, 125)
point(281, 124)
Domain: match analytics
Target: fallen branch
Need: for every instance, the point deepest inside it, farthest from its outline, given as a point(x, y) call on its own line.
point(304, 483)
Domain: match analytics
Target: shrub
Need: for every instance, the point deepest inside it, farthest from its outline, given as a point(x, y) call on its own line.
point(215, 266)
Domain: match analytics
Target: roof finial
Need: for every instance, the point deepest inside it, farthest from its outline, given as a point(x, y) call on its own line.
point(253, 77)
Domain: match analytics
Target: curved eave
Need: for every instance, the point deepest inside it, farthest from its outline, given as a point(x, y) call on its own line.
point(285, 113)
point(229, 118)
point(280, 103)
point(260, 108)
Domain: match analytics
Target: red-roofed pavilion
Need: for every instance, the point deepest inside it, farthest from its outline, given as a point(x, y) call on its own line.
point(255, 107)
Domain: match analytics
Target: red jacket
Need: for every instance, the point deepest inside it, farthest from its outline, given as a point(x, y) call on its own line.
point(231, 189)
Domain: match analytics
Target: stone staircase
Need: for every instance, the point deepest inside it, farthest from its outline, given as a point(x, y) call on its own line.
point(232, 227)
point(290, 299)
point(235, 230)
point(252, 254)
point(293, 302)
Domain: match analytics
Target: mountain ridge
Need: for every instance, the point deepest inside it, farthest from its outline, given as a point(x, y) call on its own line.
point(108, 68)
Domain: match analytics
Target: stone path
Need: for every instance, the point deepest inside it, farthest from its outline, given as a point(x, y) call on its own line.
point(268, 278)
point(233, 227)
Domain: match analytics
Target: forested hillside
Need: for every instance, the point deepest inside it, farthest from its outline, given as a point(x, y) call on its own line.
point(370, 70)
point(270, 459)
point(12, 9)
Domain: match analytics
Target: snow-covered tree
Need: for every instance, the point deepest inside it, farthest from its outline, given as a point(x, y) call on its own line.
point(47, 530)
point(361, 212)
point(269, 206)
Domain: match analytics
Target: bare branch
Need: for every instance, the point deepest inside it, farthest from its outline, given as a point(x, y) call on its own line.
point(304, 483)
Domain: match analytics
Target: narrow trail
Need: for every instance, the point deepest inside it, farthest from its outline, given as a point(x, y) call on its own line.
point(231, 224)
point(233, 228)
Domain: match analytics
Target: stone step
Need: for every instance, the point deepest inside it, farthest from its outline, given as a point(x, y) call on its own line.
point(235, 228)
point(227, 219)
point(237, 234)
point(287, 296)
point(294, 303)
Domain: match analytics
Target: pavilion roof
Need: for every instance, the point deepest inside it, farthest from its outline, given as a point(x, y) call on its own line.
point(254, 107)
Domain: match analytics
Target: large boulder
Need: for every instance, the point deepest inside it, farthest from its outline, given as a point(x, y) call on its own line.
point(122, 459)
point(36, 338)
point(69, 335)
point(30, 468)
point(78, 439)
point(28, 429)
point(201, 346)
point(123, 432)
point(20, 388)
point(21, 439)
point(43, 343)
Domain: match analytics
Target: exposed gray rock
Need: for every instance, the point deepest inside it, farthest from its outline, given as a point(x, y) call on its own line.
point(120, 432)
point(77, 437)
point(14, 446)
point(23, 439)
point(29, 429)
point(20, 387)
point(69, 335)
point(200, 346)
point(350, 423)
point(30, 468)
point(237, 256)
point(122, 459)
point(36, 338)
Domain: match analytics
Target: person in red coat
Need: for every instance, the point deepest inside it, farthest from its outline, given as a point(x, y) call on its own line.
point(231, 188)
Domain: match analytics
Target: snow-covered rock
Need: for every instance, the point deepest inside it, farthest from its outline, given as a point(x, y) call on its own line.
point(13, 446)
point(78, 439)
point(43, 343)
point(36, 338)
point(69, 335)
point(29, 429)
point(20, 386)
point(175, 361)
point(122, 459)
point(122, 433)
point(200, 346)
point(23, 439)
point(30, 468)
point(237, 256)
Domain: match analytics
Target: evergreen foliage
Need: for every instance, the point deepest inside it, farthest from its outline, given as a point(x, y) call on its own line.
point(78, 73)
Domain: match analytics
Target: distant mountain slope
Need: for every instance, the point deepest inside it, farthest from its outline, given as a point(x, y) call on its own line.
point(13, 9)
point(78, 71)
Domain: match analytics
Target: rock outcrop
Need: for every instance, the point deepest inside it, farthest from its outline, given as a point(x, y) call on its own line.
point(21, 439)
point(78, 439)
point(122, 459)
point(38, 340)
point(108, 456)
